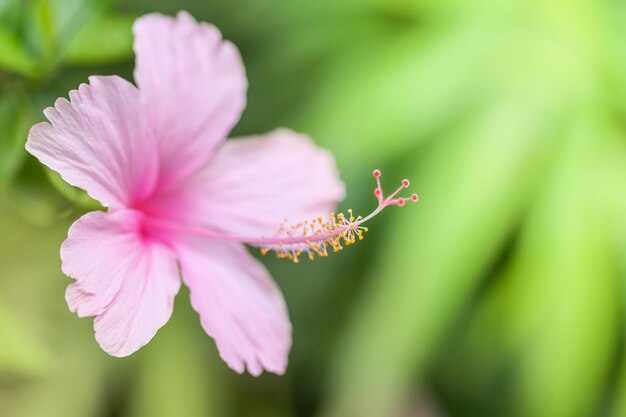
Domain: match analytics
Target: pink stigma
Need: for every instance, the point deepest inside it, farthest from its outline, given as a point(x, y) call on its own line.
point(391, 200)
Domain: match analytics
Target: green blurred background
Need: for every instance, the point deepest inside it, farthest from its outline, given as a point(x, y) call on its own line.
point(500, 294)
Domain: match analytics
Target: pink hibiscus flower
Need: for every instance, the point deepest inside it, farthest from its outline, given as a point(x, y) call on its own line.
point(182, 202)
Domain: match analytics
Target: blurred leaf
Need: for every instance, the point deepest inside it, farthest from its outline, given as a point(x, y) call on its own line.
point(105, 40)
point(15, 119)
point(71, 15)
point(615, 180)
point(418, 78)
point(51, 26)
point(555, 307)
point(13, 56)
point(21, 354)
point(476, 190)
point(73, 194)
point(566, 307)
point(36, 205)
point(75, 390)
point(10, 14)
point(418, 288)
point(42, 29)
point(178, 373)
point(65, 364)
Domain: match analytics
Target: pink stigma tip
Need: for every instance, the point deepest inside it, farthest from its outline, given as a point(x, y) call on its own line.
point(391, 199)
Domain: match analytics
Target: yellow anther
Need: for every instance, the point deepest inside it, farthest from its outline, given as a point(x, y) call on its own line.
point(315, 236)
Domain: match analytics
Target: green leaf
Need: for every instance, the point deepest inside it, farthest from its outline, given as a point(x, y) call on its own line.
point(566, 309)
point(21, 353)
point(75, 195)
point(50, 26)
point(43, 29)
point(10, 14)
point(75, 389)
point(107, 39)
point(15, 119)
point(474, 185)
point(382, 99)
point(179, 372)
point(60, 370)
point(13, 56)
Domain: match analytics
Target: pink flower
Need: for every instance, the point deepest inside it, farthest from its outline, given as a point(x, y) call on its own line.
point(181, 202)
point(156, 153)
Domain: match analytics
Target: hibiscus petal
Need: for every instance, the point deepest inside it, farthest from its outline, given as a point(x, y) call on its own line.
point(96, 141)
point(123, 278)
point(193, 86)
point(238, 303)
point(253, 183)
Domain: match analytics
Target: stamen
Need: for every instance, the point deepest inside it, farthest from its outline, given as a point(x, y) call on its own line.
point(311, 238)
point(337, 230)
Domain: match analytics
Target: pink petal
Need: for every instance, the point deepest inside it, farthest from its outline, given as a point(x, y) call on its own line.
point(238, 303)
point(253, 183)
point(96, 141)
point(123, 278)
point(193, 86)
